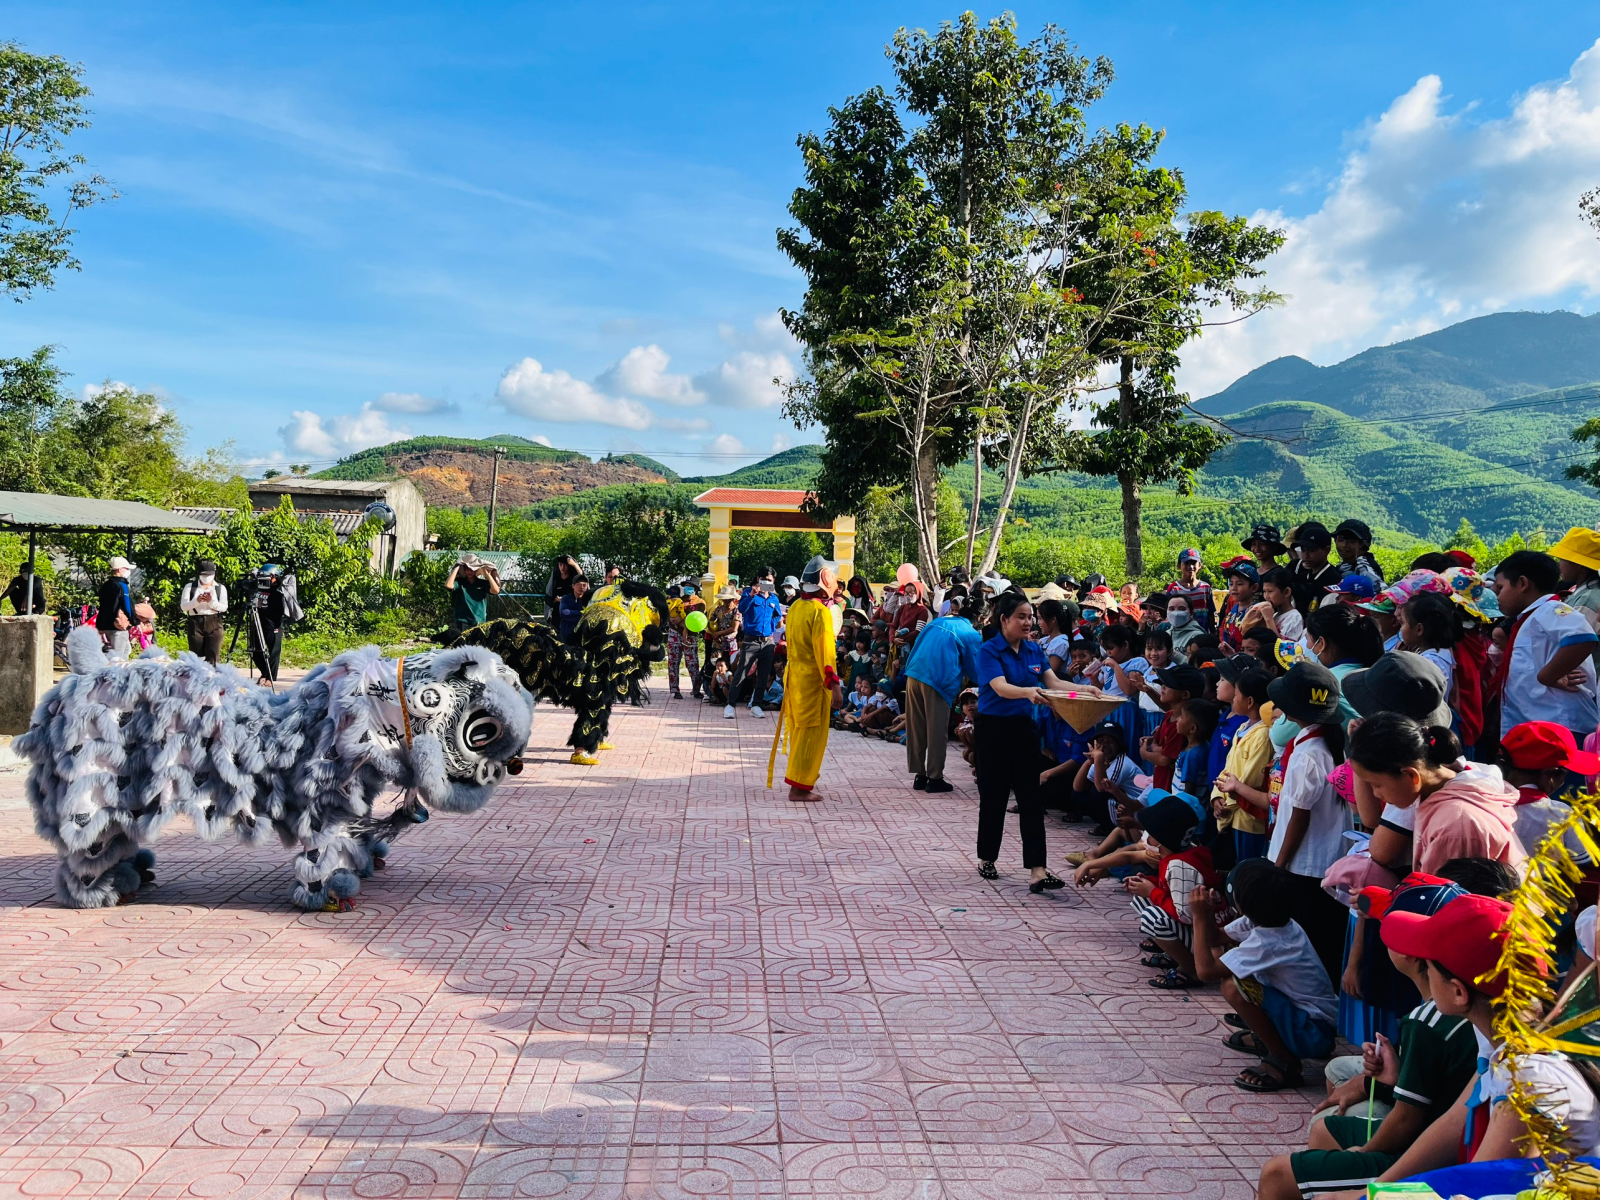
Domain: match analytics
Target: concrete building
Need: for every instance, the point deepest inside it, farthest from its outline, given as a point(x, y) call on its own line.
point(343, 503)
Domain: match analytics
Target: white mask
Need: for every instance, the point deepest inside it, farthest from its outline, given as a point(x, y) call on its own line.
point(206, 579)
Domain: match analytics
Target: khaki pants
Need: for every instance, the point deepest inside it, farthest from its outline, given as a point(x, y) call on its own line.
point(927, 729)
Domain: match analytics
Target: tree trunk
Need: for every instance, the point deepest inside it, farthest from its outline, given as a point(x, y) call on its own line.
point(1132, 500)
point(1019, 442)
point(977, 495)
point(927, 510)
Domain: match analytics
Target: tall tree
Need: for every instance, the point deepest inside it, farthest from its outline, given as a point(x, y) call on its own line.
point(1196, 262)
point(41, 185)
point(896, 229)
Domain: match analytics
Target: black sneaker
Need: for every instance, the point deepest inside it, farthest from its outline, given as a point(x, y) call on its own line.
point(939, 785)
point(920, 783)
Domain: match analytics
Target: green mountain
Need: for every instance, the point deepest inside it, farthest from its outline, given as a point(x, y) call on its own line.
point(644, 463)
point(375, 463)
point(794, 468)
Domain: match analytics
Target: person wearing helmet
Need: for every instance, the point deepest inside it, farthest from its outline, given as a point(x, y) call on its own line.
point(810, 683)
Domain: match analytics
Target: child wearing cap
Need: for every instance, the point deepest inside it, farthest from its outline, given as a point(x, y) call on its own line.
point(1199, 602)
point(1264, 545)
point(1309, 820)
point(1462, 811)
point(1313, 573)
point(1461, 944)
point(1243, 586)
point(1162, 903)
point(1535, 758)
point(1107, 783)
point(1353, 542)
point(1270, 976)
point(1418, 1081)
point(1241, 797)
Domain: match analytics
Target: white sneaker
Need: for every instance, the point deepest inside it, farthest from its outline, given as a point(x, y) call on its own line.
point(728, 712)
point(758, 712)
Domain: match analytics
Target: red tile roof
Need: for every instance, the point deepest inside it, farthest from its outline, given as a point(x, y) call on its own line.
point(748, 496)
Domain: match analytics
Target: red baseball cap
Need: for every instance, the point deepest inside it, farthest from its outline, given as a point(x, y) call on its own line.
point(1541, 745)
point(1464, 936)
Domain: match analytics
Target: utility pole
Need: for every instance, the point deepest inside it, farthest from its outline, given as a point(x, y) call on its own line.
point(494, 492)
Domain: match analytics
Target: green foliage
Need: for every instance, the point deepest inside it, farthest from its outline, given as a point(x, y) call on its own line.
point(749, 550)
point(644, 463)
point(794, 468)
point(41, 185)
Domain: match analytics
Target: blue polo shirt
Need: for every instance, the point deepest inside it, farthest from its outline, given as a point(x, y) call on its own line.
point(761, 612)
point(1022, 667)
point(944, 653)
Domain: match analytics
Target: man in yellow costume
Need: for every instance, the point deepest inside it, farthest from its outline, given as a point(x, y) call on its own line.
point(810, 682)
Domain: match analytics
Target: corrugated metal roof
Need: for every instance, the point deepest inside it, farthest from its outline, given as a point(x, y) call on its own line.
point(41, 510)
point(752, 497)
point(344, 522)
point(298, 485)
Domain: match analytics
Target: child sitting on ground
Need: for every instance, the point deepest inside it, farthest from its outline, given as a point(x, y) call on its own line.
point(1270, 976)
point(722, 679)
point(1415, 1084)
point(855, 704)
point(1162, 903)
point(965, 731)
point(880, 711)
point(1107, 782)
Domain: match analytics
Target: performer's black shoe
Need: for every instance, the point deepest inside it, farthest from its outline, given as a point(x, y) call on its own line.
point(920, 783)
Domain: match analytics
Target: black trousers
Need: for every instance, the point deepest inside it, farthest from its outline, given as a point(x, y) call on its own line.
point(205, 637)
point(265, 657)
point(759, 653)
point(1324, 919)
point(1008, 764)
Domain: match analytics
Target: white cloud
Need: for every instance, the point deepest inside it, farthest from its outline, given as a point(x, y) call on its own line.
point(642, 372)
point(527, 388)
point(93, 391)
point(726, 444)
point(747, 380)
point(320, 438)
point(766, 332)
point(780, 441)
point(541, 439)
point(1435, 217)
point(413, 402)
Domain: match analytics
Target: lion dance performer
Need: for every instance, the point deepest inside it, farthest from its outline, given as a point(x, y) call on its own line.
point(810, 682)
point(618, 636)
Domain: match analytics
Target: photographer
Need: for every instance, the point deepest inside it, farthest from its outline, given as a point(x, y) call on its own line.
point(272, 602)
point(470, 583)
point(115, 616)
point(203, 601)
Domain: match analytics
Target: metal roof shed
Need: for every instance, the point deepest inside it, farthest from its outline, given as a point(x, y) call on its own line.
point(34, 513)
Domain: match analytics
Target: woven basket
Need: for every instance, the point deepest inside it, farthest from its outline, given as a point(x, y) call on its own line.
point(1081, 710)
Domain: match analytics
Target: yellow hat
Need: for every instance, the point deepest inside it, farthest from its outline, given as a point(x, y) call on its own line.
point(1581, 546)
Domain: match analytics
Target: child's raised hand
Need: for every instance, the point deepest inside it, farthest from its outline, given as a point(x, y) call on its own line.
point(1201, 902)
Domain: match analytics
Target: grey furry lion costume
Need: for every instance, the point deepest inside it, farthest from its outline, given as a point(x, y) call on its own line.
point(118, 749)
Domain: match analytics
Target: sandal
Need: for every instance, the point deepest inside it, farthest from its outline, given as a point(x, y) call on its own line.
point(986, 869)
point(1048, 884)
point(1235, 1020)
point(1149, 946)
point(1161, 962)
point(1259, 1079)
point(1174, 981)
point(1245, 1042)
point(1076, 859)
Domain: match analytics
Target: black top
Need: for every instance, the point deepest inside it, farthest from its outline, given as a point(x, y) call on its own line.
point(17, 593)
point(113, 594)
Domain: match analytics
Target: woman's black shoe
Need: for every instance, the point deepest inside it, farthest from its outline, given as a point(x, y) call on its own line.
point(1048, 884)
point(986, 869)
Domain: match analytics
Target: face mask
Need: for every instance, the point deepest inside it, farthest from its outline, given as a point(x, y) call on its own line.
point(207, 578)
point(1178, 619)
point(1092, 616)
point(1283, 731)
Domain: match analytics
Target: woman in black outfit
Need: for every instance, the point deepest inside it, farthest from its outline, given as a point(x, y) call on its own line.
point(1012, 671)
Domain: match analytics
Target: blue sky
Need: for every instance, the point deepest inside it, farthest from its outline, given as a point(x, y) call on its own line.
point(343, 223)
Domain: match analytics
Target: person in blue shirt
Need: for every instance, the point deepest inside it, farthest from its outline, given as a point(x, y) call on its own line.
point(944, 653)
point(761, 616)
point(1012, 674)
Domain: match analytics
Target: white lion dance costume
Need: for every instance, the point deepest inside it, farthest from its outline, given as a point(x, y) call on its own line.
point(120, 749)
point(618, 636)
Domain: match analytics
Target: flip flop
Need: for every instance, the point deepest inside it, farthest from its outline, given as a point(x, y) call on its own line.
point(1235, 1020)
point(1161, 962)
point(1174, 981)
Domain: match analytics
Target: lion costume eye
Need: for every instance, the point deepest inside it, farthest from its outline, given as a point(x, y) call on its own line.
point(429, 699)
point(480, 731)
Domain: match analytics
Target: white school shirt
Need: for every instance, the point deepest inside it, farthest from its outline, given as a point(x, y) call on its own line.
point(1291, 624)
point(1108, 677)
point(1563, 1096)
point(1305, 785)
point(203, 608)
point(1283, 958)
point(1548, 626)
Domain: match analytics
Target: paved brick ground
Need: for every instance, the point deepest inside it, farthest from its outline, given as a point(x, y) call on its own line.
point(654, 977)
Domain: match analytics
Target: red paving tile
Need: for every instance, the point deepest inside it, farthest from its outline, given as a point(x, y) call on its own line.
point(652, 978)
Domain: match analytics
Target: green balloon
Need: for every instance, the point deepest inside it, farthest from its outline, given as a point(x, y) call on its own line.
point(695, 622)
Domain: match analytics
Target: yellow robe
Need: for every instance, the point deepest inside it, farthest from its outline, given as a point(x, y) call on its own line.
point(807, 693)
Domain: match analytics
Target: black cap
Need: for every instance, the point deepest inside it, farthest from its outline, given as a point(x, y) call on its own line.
point(206, 567)
point(1233, 666)
point(1268, 534)
point(1182, 679)
point(1400, 682)
point(1308, 694)
point(1313, 533)
point(1168, 820)
point(1359, 530)
point(1105, 728)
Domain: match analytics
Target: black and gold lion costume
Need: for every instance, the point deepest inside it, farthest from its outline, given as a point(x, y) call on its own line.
point(620, 634)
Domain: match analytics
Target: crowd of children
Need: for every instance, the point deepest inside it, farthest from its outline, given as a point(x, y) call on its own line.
point(1316, 787)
